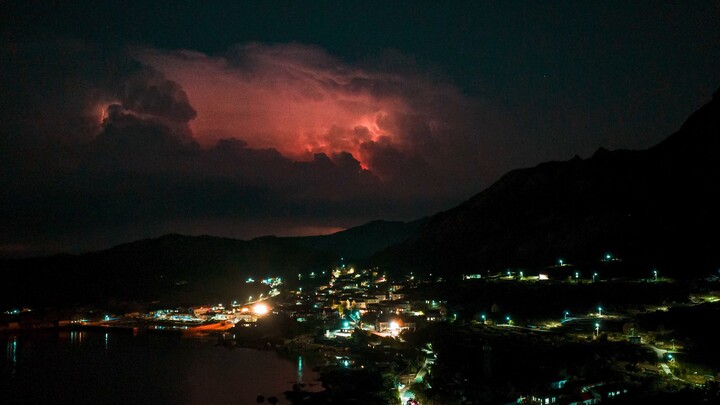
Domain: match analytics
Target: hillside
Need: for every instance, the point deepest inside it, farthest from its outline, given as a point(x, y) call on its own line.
point(363, 241)
point(172, 268)
point(186, 269)
point(651, 208)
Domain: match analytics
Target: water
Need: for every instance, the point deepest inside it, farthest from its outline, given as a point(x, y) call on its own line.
point(111, 368)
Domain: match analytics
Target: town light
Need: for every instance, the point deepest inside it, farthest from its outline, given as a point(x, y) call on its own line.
point(260, 309)
point(394, 328)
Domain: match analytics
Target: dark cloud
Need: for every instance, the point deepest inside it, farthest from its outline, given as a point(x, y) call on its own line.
point(148, 92)
point(130, 159)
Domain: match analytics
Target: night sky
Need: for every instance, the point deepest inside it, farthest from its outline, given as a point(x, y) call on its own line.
point(123, 120)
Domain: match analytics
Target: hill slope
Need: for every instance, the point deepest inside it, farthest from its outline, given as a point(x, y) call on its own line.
point(362, 241)
point(657, 207)
point(173, 268)
point(185, 269)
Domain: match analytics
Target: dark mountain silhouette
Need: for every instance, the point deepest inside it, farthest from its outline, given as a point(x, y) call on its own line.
point(652, 208)
point(173, 268)
point(362, 241)
point(186, 269)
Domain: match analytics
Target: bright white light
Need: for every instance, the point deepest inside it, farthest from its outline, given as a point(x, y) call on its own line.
point(260, 309)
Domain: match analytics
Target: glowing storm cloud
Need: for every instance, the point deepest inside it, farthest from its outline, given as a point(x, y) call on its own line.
point(293, 98)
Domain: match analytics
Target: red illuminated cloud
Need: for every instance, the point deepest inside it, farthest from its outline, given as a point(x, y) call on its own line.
point(261, 139)
point(296, 99)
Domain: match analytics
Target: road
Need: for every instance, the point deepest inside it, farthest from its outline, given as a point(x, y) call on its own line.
point(661, 356)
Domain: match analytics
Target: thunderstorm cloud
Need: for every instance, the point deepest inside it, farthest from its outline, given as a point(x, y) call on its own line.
point(282, 139)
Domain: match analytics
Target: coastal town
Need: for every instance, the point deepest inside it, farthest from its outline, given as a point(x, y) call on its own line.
point(423, 339)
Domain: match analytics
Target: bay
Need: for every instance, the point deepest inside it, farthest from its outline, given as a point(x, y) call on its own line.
point(89, 367)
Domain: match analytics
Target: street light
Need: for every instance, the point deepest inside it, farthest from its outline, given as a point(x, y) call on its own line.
point(600, 311)
point(566, 314)
point(594, 276)
point(597, 329)
point(521, 274)
point(577, 275)
point(483, 318)
point(655, 274)
point(560, 262)
point(507, 318)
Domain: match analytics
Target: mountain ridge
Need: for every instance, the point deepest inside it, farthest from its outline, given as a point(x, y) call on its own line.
point(182, 269)
point(630, 202)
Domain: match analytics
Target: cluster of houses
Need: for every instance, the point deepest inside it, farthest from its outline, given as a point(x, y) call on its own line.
point(363, 299)
point(236, 313)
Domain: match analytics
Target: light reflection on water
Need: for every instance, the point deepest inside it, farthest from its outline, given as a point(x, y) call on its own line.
point(11, 352)
point(107, 367)
point(300, 370)
point(76, 337)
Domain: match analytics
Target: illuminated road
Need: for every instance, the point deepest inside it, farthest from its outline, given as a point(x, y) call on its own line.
point(661, 356)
